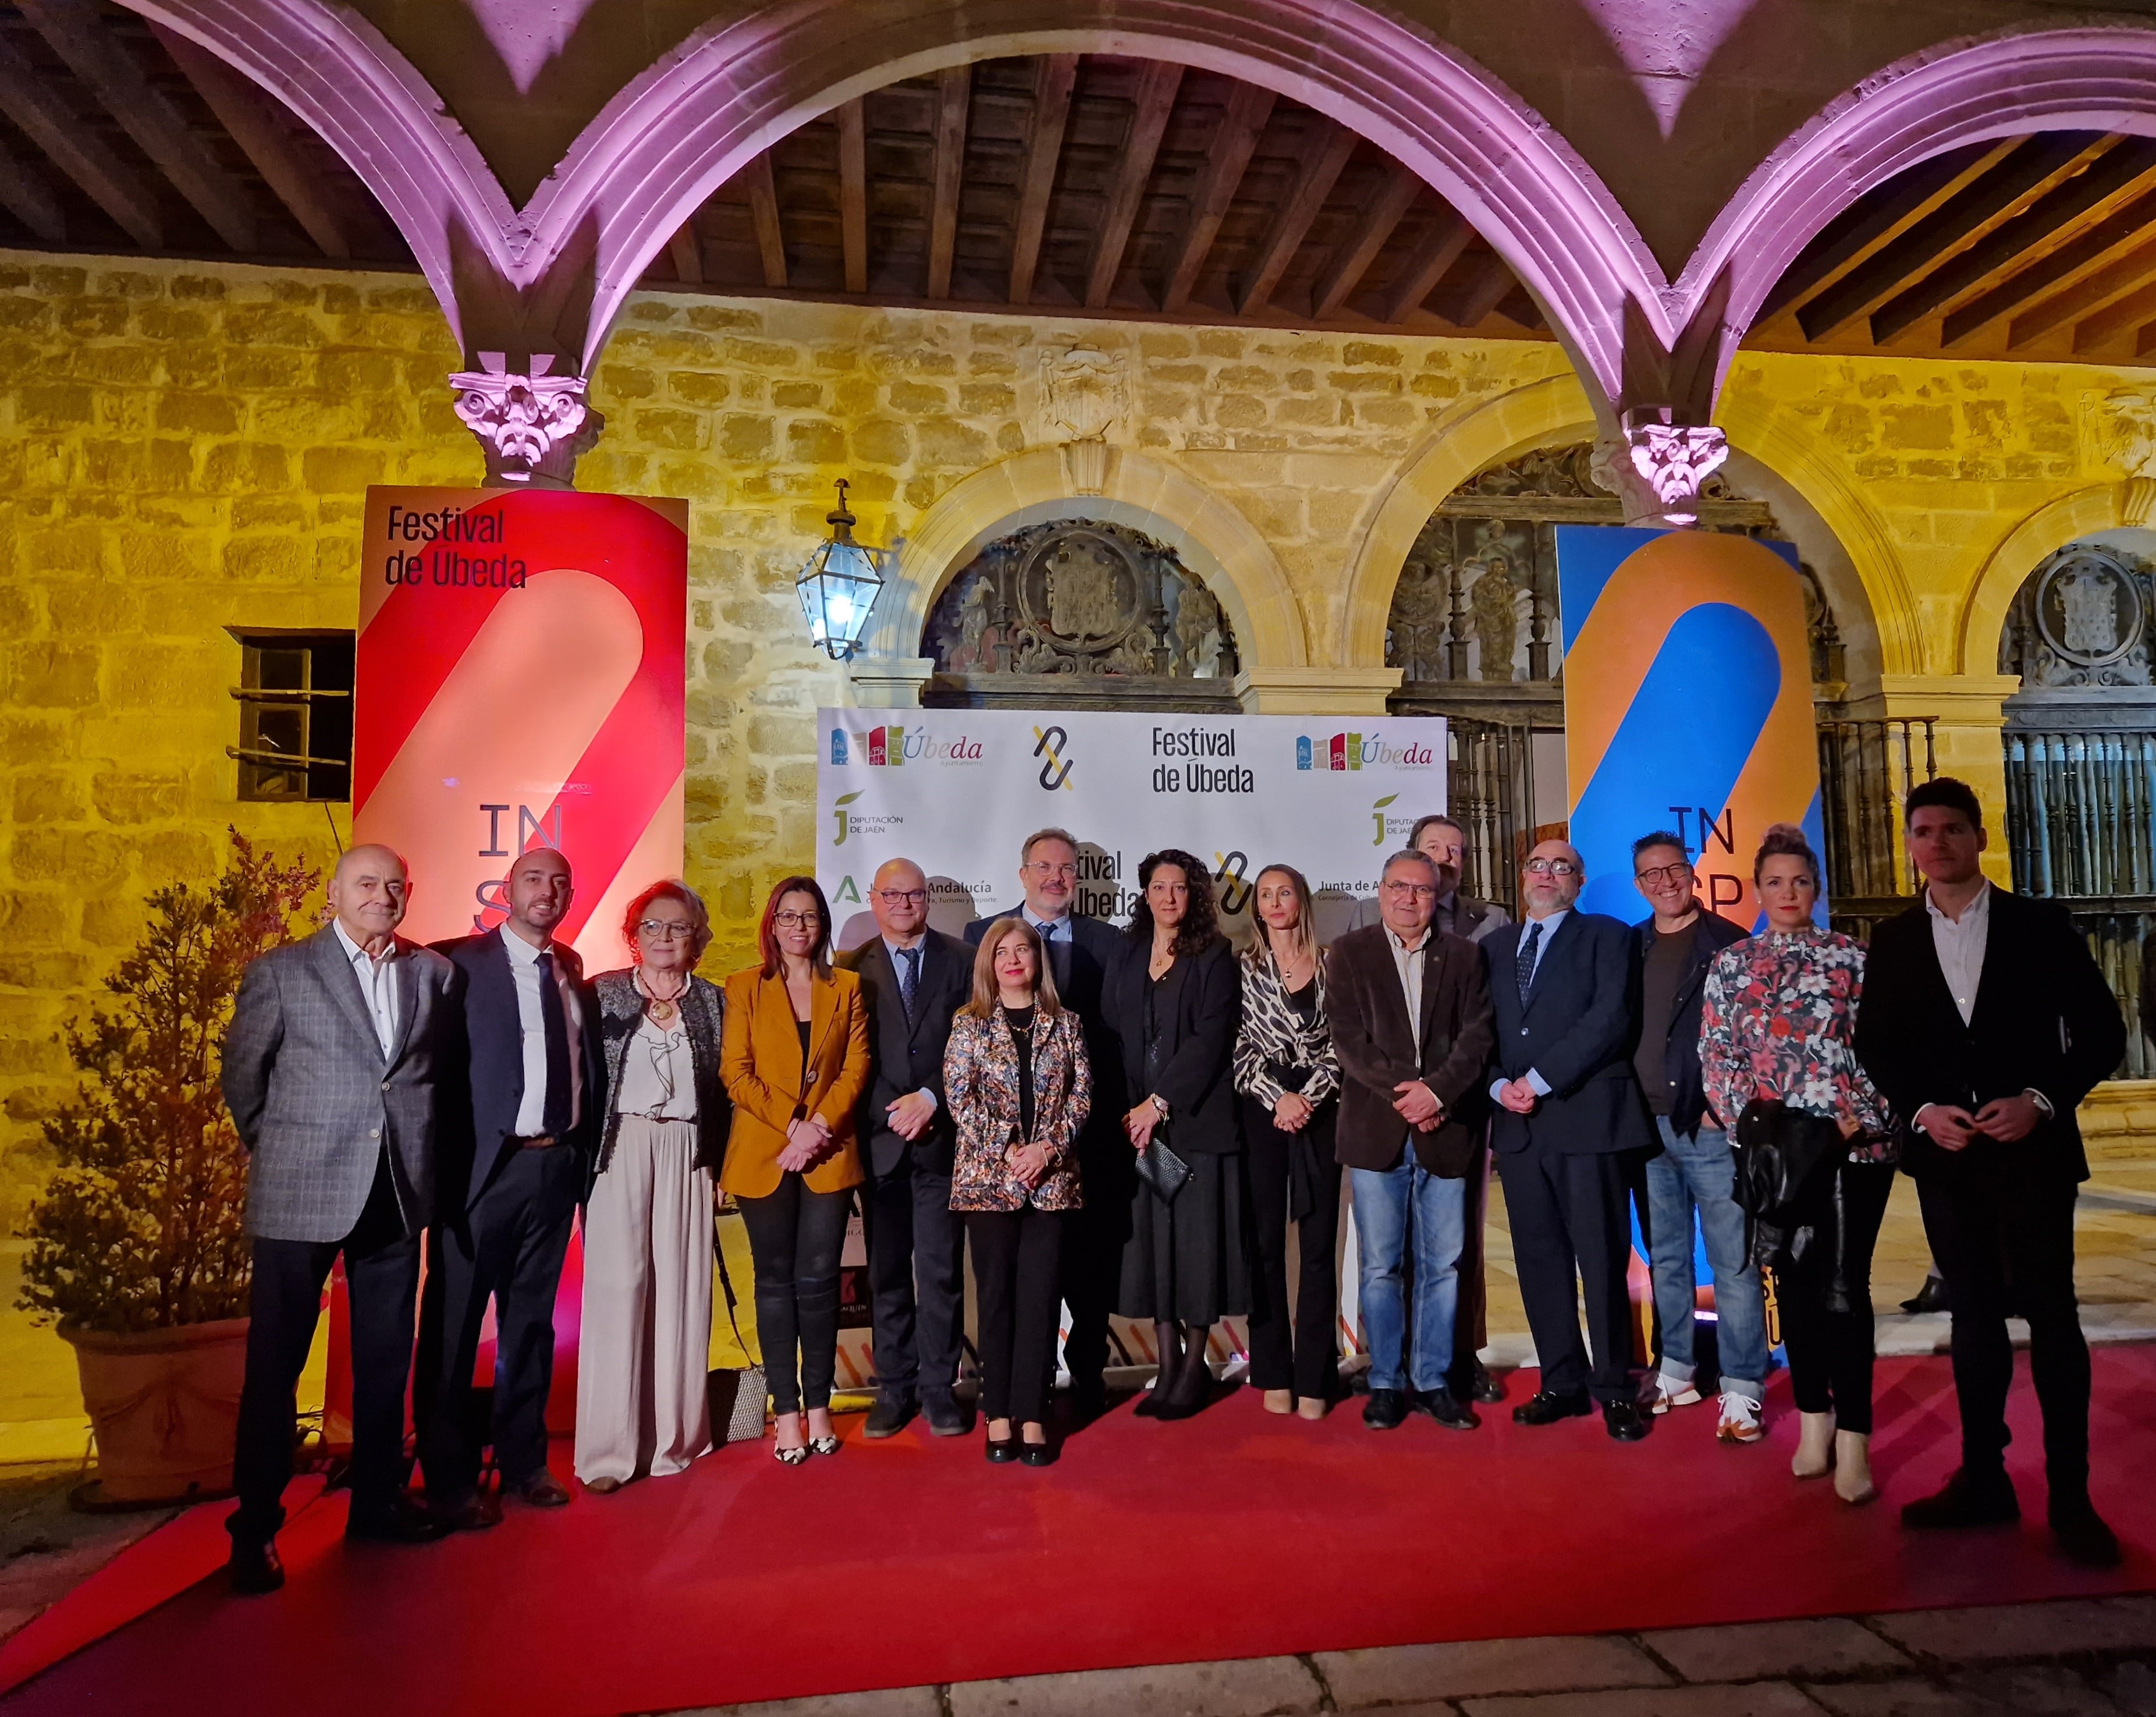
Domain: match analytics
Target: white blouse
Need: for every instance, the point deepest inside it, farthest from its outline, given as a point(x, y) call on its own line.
point(658, 1074)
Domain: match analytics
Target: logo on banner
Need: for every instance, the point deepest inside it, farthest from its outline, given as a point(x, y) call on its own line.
point(1378, 816)
point(838, 813)
point(1048, 744)
point(1359, 751)
point(889, 747)
point(1235, 885)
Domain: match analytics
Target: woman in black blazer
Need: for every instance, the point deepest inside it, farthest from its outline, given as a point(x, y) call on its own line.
point(1174, 999)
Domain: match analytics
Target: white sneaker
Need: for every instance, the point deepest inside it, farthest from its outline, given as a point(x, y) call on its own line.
point(1740, 1420)
point(1673, 1392)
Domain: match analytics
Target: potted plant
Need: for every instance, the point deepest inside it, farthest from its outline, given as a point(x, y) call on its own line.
point(137, 1250)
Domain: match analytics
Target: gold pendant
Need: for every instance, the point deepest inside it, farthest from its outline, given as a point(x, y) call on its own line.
point(663, 1013)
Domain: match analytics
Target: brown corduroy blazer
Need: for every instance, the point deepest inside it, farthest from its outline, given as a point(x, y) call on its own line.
point(759, 1059)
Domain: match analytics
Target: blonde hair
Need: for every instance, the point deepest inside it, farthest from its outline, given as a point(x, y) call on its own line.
point(986, 995)
point(1304, 936)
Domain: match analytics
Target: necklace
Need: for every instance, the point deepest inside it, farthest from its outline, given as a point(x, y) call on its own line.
point(663, 1010)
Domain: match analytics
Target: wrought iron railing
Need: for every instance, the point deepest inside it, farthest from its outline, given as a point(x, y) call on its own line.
point(1491, 781)
point(1867, 768)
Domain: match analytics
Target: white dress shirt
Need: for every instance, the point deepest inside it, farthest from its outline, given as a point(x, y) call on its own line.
point(658, 1073)
point(378, 984)
point(1960, 943)
point(524, 971)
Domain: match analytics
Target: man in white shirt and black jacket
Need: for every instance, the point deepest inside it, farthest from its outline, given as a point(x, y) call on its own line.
point(1984, 1021)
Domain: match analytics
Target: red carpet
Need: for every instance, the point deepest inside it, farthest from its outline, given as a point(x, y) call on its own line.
point(1233, 1535)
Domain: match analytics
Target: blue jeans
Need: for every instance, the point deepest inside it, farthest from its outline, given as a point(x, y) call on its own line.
point(1700, 1173)
point(1395, 1208)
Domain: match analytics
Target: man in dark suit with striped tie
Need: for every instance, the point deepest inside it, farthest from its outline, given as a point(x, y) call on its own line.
point(914, 979)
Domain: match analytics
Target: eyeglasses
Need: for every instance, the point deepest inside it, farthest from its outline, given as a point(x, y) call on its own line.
point(1419, 890)
point(1041, 868)
point(663, 929)
point(1659, 874)
point(795, 921)
point(1551, 868)
point(899, 896)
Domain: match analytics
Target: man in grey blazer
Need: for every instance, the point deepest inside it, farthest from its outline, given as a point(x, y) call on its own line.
point(329, 1071)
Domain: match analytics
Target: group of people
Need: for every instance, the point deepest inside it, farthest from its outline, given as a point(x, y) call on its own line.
point(1130, 1120)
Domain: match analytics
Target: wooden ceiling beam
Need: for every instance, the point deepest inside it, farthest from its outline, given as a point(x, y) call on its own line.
point(100, 59)
point(2126, 167)
point(686, 249)
point(1249, 108)
point(1055, 77)
point(1360, 249)
point(257, 125)
point(2041, 161)
point(2093, 333)
point(1324, 156)
point(25, 195)
point(954, 93)
point(2080, 258)
point(1440, 248)
point(763, 211)
point(2088, 295)
point(1483, 291)
point(1151, 107)
point(27, 98)
point(853, 192)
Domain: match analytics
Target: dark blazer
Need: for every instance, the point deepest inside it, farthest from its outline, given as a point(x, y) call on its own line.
point(1377, 1050)
point(1472, 920)
point(1197, 1008)
point(909, 1056)
point(620, 1005)
point(1710, 933)
point(314, 1099)
point(1578, 1030)
point(481, 1111)
point(1082, 968)
point(2044, 1020)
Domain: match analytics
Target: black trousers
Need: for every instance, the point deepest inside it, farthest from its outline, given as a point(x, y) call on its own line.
point(1093, 1242)
point(795, 1236)
point(1304, 1356)
point(1825, 1296)
point(1571, 1212)
point(382, 1272)
point(916, 1279)
point(2002, 1241)
point(508, 1247)
point(1018, 1257)
point(1470, 1321)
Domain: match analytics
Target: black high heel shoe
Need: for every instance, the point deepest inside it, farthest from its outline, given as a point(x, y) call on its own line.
point(1168, 1339)
point(1191, 1386)
point(1002, 1450)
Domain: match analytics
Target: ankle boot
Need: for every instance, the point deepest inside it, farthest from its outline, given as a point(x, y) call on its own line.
point(1192, 1385)
point(1815, 1456)
point(1167, 1344)
point(1852, 1468)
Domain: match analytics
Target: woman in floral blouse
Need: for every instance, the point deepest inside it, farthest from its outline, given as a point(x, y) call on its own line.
point(1016, 1077)
point(1779, 1020)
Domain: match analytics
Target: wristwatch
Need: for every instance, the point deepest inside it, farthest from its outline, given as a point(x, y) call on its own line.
point(1160, 1103)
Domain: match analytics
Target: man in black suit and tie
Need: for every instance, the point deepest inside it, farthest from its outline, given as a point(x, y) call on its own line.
point(1984, 1021)
point(329, 1069)
point(915, 979)
point(1080, 952)
point(1563, 985)
point(509, 1194)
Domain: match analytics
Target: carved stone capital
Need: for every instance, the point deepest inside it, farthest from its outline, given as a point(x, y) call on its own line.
point(1656, 467)
point(531, 426)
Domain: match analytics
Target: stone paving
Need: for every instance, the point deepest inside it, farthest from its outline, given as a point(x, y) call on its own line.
point(2071, 1657)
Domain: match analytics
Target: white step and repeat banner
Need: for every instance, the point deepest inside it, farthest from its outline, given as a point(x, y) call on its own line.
point(956, 791)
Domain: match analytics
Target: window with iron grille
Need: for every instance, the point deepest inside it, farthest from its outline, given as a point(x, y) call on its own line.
point(294, 698)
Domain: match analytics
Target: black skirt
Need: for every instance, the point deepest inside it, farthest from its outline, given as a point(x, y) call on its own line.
point(1188, 1262)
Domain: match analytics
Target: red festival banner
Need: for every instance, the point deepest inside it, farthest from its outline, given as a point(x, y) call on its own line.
point(520, 682)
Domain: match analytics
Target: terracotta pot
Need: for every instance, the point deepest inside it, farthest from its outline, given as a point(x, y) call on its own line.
point(165, 1406)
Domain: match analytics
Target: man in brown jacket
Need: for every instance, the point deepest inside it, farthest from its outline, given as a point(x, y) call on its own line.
point(1410, 1010)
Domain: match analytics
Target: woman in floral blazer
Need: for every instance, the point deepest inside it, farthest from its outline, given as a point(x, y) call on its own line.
point(1779, 1022)
point(1020, 1087)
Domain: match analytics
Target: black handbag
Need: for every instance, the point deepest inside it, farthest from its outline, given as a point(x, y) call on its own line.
point(1779, 1154)
point(1162, 1170)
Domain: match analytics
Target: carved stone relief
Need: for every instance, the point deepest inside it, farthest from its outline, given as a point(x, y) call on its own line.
point(2082, 619)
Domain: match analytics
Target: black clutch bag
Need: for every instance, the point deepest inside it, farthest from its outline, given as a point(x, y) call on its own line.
point(1162, 1170)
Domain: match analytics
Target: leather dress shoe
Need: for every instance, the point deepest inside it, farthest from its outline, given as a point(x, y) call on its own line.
point(1036, 1454)
point(1002, 1450)
point(1624, 1421)
point(1386, 1410)
point(945, 1417)
point(1486, 1388)
point(544, 1491)
point(402, 1522)
point(472, 1513)
point(2082, 1536)
point(1544, 1408)
point(1441, 1404)
point(1932, 1297)
point(254, 1568)
point(1966, 1499)
point(889, 1416)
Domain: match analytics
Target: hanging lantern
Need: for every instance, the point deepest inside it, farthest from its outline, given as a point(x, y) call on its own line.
point(839, 585)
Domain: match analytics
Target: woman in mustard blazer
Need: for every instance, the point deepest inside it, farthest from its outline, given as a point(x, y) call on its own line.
point(795, 1060)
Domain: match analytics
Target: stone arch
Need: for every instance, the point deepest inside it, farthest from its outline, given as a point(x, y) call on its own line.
point(1212, 538)
point(2051, 527)
point(2007, 84)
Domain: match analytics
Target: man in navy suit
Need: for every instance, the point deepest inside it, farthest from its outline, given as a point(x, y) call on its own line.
point(1080, 952)
point(1569, 1106)
point(523, 1127)
point(915, 979)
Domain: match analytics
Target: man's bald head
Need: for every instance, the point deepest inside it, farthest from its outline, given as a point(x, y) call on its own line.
point(368, 892)
point(899, 898)
point(1551, 877)
point(539, 891)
